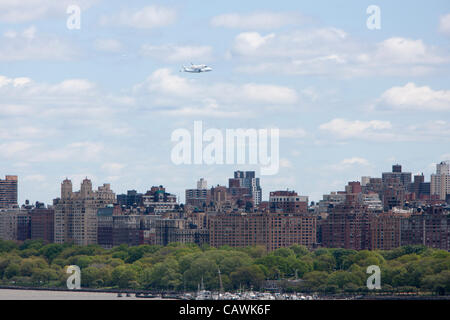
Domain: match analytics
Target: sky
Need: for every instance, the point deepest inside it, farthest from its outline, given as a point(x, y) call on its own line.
point(102, 100)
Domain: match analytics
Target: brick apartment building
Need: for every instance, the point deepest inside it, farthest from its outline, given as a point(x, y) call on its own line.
point(273, 230)
point(346, 226)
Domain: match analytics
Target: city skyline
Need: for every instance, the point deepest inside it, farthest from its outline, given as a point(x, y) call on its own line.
point(441, 168)
point(102, 101)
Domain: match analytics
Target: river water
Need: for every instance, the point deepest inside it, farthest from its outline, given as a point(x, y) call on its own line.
point(11, 294)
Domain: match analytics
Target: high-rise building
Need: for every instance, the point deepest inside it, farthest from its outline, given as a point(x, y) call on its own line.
point(198, 198)
point(272, 230)
point(249, 181)
point(347, 226)
point(178, 230)
point(131, 199)
point(403, 177)
point(385, 230)
point(288, 202)
point(202, 184)
point(429, 227)
point(76, 212)
point(440, 181)
point(43, 224)
point(14, 224)
point(8, 192)
point(157, 200)
point(365, 180)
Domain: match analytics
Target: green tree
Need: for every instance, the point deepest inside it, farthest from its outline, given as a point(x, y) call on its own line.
point(123, 275)
point(247, 276)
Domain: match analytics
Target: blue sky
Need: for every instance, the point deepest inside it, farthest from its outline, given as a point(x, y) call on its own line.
point(102, 101)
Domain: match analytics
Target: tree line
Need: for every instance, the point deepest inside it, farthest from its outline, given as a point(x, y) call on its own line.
point(183, 267)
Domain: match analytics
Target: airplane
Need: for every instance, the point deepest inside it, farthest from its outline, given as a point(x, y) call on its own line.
point(193, 68)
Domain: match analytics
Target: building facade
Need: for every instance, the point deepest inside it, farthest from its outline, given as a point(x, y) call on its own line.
point(76, 212)
point(272, 230)
point(8, 192)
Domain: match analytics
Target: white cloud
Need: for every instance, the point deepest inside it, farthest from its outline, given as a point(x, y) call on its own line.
point(293, 133)
point(84, 151)
point(19, 11)
point(444, 24)
point(355, 161)
point(113, 168)
point(285, 163)
point(146, 18)
point(345, 129)
point(108, 45)
point(14, 110)
point(248, 43)
point(384, 131)
point(174, 53)
point(412, 97)
point(34, 178)
point(331, 51)
point(24, 88)
point(196, 97)
point(349, 163)
point(28, 45)
point(256, 21)
point(434, 130)
point(14, 148)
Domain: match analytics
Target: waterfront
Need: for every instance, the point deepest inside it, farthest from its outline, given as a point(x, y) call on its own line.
point(13, 294)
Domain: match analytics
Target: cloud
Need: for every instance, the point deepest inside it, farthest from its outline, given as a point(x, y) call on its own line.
point(354, 161)
point(256, 21)
point(174, 53)
point(34, 178)
point(14, 148)
point(248, 43)
point(24, 88)
point(20, 11)
point(285, 163)
point(385, 132)
point(113, 168)
point(444, 24)
point(412, 97)
point(220, 99)
point(332, 51)
point(84, 151)
point(29, 45)
point(349, 163)
point(293, 133)
point(433, 130)
point(145, 18)
point(345, 129)
point(108, 45)
point(34, 111)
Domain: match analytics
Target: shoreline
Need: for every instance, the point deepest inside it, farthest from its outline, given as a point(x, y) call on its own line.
point(140, 294)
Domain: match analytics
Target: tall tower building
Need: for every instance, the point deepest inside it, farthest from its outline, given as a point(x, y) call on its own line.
point(66, 189)
point(202, 184)
point(440, 182)
point(76, 212)
point(8, 192)
point(248, 180)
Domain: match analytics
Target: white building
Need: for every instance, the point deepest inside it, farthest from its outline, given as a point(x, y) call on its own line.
point(440, 182)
